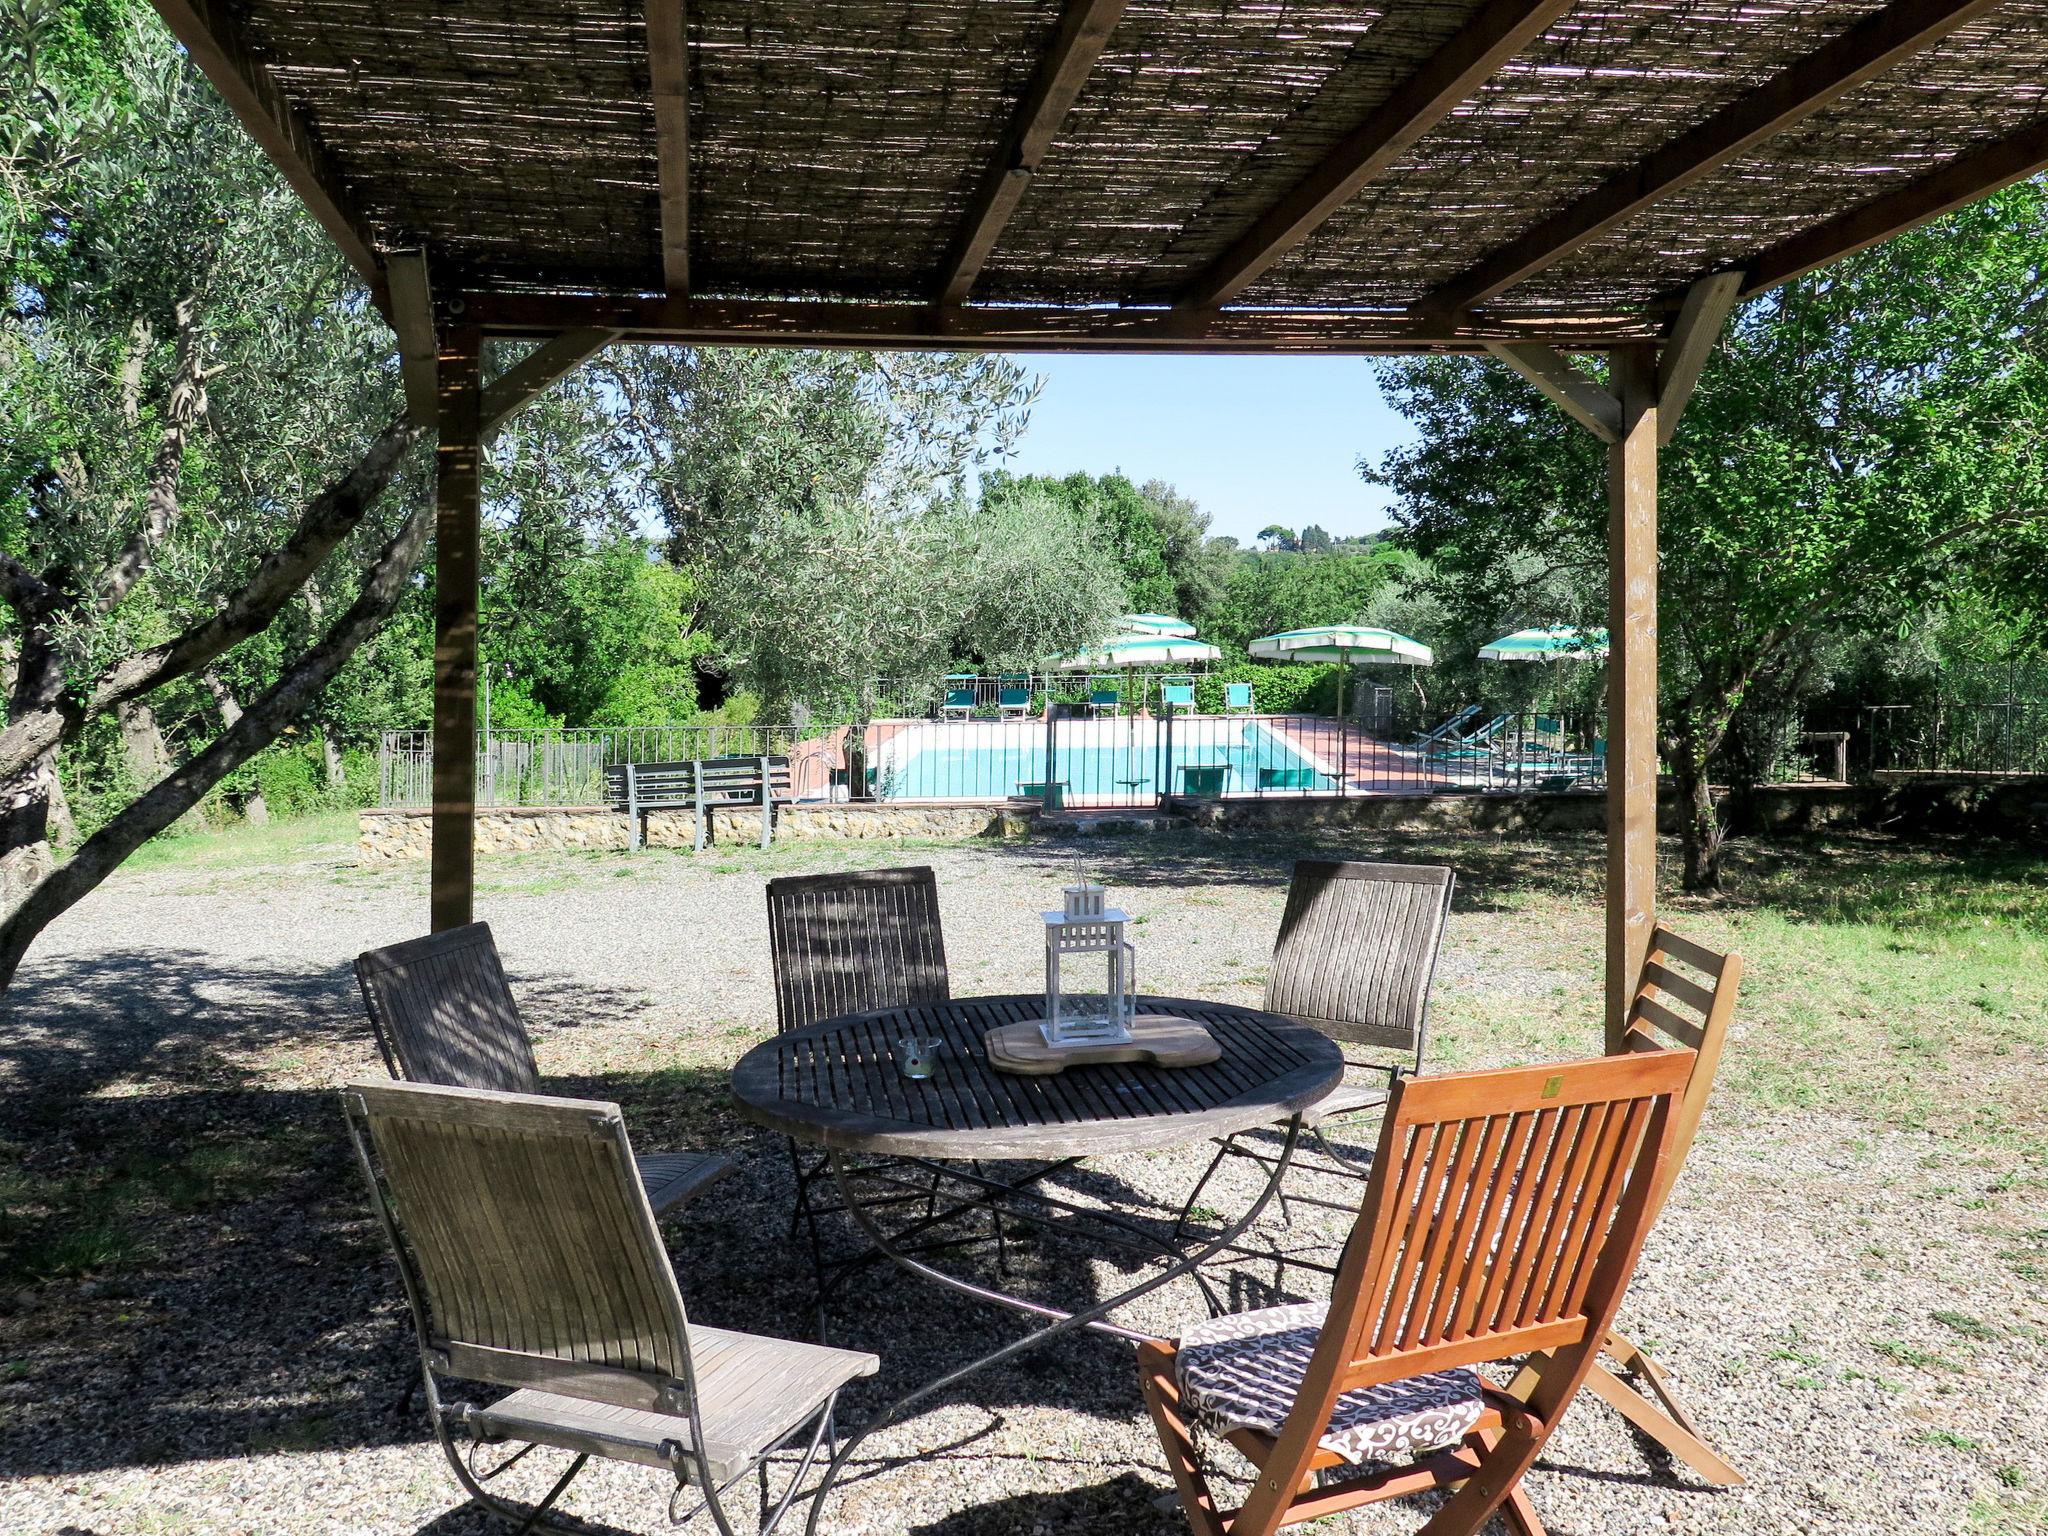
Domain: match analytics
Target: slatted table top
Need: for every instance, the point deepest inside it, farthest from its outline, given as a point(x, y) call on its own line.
point(835, 1084)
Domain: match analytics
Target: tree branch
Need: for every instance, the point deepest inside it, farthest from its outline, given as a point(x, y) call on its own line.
point(24, 591)
point(328, 519)
point(383, 585)
point(185, 405)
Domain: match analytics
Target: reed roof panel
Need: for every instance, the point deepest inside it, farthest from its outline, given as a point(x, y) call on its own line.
point(836, 146)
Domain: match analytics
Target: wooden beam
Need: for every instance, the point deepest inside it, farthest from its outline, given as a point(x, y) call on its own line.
point(1078, 40)
point(1578, 396)
point(1631, 682)
point(1451, 75)
point(1701, 318)
point(411, 307)
point(668, 76)
point(514, 389)
point(249, 90)
point(458, 520)
point(1963, 180)
point(1872, 46)
point(1007, 328)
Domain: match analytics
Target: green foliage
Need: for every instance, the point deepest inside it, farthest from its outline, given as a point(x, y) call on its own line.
point(1197, 563)
point(1278, 688)
point(1863, 443)
point(1125, 527)
point(1266, 593)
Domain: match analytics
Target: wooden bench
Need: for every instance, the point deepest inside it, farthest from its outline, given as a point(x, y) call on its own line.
point(703, 785)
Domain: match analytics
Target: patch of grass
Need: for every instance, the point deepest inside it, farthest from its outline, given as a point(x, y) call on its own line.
point(1907, 1354)
point(93, 1223)
point(2000, 1517)
point(1949, 1438)
point(292, 840)
point(1969, 1327)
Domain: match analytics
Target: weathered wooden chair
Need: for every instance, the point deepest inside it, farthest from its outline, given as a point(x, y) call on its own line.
point(531, 1261)
point(1670, 1008)
point(444, 1013)
point(846, 943)
point(1355, 959)
point(1504, 1214)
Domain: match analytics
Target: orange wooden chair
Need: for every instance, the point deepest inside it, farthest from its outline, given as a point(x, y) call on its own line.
point(1503, 1216)
point(1685, 997)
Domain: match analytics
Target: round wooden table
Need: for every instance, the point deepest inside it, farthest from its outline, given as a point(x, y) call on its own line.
point(835, 1085)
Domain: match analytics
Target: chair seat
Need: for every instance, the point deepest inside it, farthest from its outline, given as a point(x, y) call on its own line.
point(1241, 1371)
point(1347, 1098)
point(671, 1178)
point(751, 1390)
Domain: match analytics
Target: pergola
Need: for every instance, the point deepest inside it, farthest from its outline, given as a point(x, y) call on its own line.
point(1527, 178)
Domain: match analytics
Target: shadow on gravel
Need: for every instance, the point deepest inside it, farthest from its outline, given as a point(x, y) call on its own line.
point(1492, 870)
point(1121, 1506)
point(188, 1268)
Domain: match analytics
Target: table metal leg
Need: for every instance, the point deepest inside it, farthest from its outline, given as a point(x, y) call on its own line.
point(1059, 1321)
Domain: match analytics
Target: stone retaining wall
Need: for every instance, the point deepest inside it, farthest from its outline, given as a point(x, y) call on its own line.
point(384, 835)
point(1898, 803)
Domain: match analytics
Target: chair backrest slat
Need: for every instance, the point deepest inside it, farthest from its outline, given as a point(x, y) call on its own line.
point(846, 943)
point(1358, 947)
point(529, 1247)
point(1657, 1017)
point(1498, 1204)
point(444, 1012)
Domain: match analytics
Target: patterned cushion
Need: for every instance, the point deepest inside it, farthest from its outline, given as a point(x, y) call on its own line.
point(1242, 1371)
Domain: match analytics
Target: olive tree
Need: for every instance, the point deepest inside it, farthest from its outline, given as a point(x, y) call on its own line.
point(1863, 441)
point(201, 414)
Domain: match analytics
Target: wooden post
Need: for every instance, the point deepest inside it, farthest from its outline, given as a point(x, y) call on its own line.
point(457, 554)
point(1632, 680)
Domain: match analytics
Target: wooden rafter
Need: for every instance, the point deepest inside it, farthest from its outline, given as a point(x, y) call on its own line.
point(1707, 306)
point(1963, 180)
point(1578, 396)
point(411, 307)
point(1872, 46)
point(1077, 42)
point(518, 386)
point(1018, 328)
point(1496, 34)
point(245, 84)
point(668, 74)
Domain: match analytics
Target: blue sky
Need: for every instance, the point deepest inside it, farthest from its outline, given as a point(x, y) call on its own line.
point(1254, 440)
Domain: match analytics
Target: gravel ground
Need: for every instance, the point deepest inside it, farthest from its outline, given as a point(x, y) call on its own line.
point(1852, 1308)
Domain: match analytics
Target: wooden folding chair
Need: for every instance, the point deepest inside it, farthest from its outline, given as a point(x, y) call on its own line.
point(444, 1013)
point(848, 943)
point(1685, 997)
point(1504, 1215)
point(531, 1263)
point(1355, 958)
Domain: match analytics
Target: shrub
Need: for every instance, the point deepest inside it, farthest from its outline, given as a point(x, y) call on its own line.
point(1278, 688)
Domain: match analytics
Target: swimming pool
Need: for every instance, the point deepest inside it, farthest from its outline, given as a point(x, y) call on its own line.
point(1100, 761)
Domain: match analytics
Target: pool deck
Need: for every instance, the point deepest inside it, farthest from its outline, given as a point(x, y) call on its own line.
point(1362, 764)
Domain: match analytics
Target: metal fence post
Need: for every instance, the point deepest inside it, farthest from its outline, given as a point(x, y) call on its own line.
point(1162, 763)
point(1046, 792)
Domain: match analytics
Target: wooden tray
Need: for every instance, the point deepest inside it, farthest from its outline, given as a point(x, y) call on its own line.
point(1157, 1038)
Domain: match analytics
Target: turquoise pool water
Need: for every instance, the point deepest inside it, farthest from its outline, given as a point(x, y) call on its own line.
point(1097, 760)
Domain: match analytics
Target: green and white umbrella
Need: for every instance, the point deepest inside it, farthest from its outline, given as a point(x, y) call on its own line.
point(1154, 624)
point(1349, 645)
point(1558, 642)
point(1130, 651)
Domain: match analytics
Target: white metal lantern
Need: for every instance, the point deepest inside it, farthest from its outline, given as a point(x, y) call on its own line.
point(1090, 985)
